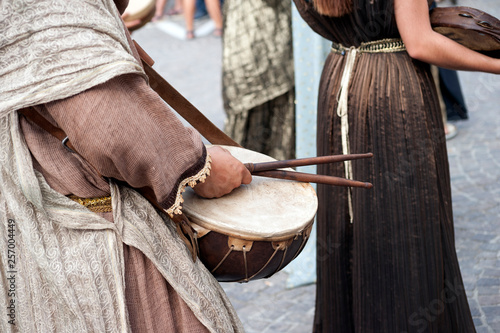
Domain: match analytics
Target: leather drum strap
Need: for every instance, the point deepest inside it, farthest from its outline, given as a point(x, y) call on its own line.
point(168, 93)
point(181, 105)
point(31, 114)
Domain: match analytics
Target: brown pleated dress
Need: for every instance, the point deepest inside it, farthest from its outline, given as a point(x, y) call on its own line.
point(106, 123)
point(393, 269)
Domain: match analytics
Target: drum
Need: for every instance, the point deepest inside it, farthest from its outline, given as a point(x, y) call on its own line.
point(257, 229)
point(470, 27)
point(143, 10)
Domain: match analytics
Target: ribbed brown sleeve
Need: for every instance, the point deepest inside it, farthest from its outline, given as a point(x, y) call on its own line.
point(126, 132)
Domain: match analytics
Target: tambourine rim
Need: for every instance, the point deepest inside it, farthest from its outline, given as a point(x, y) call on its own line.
point(442, 21)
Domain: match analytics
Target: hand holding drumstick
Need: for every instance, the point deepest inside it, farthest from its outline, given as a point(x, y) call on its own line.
point(269, 169)
point(228, 173)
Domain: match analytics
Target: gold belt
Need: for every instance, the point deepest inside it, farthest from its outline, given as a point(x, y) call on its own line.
point(387, 45)
point(96, 205)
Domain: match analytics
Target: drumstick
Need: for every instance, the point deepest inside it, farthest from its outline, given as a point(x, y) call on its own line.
point(312, 178)
point(268, 169)
point(265, 166)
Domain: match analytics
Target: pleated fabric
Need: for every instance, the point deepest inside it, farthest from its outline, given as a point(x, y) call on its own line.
point(394, 269)
point(268, 128)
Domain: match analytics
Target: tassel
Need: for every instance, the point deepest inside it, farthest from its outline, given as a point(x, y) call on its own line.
point(187, 234)
point(342, 112)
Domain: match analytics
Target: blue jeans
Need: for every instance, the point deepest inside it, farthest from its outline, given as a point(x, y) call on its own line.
point(201, 9)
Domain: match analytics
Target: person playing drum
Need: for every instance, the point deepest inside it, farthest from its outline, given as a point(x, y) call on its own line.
point(91, 254)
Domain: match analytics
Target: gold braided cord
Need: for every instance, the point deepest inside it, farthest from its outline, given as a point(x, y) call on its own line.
point(96, 205)
point(103, 204)
point(387, 45)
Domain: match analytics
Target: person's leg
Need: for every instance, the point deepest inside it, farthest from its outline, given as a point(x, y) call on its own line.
point(176, 9)
point(178, 5)
point(452, 95)
point(450, 130)
point(188, 8)
point(214, 10)
point(160, 6)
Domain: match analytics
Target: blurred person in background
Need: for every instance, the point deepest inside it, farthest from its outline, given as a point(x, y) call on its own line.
point(213, 8)
point(258, 86)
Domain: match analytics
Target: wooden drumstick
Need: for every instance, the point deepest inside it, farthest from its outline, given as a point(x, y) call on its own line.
point(265, 166)
point(312, 178)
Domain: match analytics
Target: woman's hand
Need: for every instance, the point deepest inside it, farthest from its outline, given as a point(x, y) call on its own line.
point(227, 173)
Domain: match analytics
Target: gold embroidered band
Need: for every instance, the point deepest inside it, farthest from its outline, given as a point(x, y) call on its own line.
point(387, 45)
point(96, 205)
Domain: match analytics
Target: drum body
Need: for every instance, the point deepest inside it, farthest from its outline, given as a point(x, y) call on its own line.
point(257, 229)
point(470, 27)
point(143, 10)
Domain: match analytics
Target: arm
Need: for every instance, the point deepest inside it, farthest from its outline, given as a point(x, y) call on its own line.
point(127, 132)
point(227, 173)
point(423, 43)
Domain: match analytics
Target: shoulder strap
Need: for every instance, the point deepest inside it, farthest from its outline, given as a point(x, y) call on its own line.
point(31, 114)
point(168, 93)
point(181, 105)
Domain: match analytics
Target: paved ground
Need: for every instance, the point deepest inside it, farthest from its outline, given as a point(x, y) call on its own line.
point(193, 67)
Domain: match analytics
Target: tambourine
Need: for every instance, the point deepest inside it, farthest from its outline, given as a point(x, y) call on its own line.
point(470, 27)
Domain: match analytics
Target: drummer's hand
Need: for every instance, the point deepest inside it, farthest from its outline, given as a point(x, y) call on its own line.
point(227, 174)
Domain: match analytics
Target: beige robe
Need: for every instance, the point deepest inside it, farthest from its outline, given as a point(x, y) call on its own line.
point(71, 270)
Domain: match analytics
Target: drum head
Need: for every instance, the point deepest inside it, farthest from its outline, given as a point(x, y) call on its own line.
point(470, 27)
point(265, 209)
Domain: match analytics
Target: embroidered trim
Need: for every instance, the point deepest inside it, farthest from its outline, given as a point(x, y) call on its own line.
point(200, 177)
point(96, 205)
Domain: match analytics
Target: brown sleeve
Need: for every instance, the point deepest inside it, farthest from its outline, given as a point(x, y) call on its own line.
point(127, 132)
point(121, 5)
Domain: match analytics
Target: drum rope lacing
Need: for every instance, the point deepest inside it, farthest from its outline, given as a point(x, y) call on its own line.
point(244, 251)
point(283, 246)
point(380, 46)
